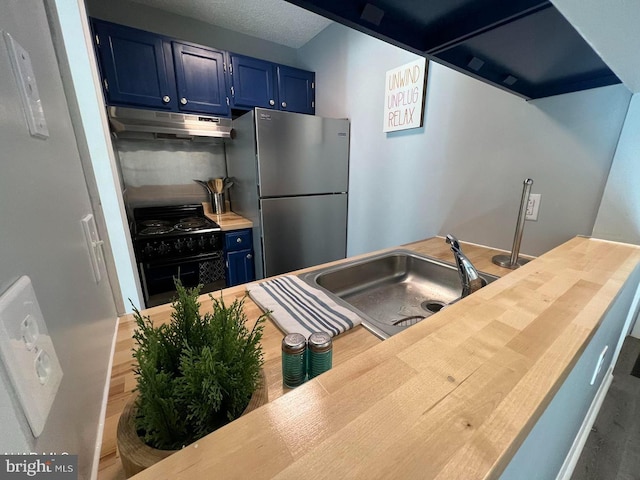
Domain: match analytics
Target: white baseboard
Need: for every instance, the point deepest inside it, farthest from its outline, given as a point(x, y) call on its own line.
point(578, 444)
point(103, 407)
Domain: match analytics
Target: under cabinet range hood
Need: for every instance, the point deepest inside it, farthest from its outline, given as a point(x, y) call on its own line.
point(135, 122)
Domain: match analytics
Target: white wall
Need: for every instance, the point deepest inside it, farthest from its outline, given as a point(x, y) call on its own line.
point(43, 196)
point(80, 77)
point(462, 172)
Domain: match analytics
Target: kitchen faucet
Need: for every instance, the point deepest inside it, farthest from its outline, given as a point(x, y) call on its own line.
point(469, 277)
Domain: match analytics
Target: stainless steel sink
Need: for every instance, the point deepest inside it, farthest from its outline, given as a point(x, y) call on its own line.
point(392, 291)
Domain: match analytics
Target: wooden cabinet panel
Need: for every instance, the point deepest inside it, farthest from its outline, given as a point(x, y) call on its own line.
point(200, 79)
point(144, 69)
point(296, 90)
point(240, 267)
point(253, 82)
point(137, 67)
point(238, 247)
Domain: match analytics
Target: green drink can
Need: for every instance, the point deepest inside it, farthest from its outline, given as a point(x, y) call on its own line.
point(320, 353)
point(294, 361)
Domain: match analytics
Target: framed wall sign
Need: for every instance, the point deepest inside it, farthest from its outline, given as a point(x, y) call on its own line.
point(404, 96)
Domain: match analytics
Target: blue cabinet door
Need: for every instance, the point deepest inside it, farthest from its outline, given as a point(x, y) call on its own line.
point(296, 90)
point(253, 82)
point(200, 79)
point(137, 67)
point(238, 246)
point(240, 267)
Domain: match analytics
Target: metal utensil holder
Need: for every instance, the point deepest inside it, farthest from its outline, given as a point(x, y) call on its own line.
point(217, 202)
point(513, 261)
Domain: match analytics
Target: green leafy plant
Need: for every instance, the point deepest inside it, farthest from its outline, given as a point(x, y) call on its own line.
point(196, 373)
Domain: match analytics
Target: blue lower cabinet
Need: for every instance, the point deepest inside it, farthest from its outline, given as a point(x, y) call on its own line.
point(240, 267)
point(239, 257)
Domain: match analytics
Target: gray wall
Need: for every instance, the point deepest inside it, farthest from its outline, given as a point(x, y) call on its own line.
point(619, 215)
point(462, 172)
point(189, 29)
point(43, 196)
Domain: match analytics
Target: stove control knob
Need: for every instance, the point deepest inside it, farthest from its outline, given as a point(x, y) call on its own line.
point(202, 242)
point(179, 245)
point(163, 248)
point(191, 243)
point(148, 249)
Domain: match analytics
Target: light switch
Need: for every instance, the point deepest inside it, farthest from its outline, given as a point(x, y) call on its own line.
point(27, 87)
point(94, 244)
point(27, 353)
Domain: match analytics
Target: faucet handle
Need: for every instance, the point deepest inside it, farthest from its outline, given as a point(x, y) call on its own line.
point(453, 241)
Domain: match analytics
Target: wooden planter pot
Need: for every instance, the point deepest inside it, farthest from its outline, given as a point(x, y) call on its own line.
point(136, 455)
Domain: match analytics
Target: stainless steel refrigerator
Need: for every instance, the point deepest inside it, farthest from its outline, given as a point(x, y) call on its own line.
point(291, 175)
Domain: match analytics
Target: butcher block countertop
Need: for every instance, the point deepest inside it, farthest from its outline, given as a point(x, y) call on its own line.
point(227, 221)
point(451, 397)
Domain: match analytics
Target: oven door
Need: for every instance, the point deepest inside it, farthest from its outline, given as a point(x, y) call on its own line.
point(158, 277)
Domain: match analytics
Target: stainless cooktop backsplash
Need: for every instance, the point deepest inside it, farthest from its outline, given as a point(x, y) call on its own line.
point(161, 172)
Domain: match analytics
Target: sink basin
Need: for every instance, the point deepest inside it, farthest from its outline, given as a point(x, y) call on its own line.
point(392, 291)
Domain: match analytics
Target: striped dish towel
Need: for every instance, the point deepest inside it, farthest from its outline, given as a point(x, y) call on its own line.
point(296, 307)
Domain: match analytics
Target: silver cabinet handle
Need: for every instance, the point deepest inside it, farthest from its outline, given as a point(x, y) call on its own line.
point(238, 240)
point(166, 99)
point(272, 102)
point(284, 104)
point(183, 101)
point(249, 256)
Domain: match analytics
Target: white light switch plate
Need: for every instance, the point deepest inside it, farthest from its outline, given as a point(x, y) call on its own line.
point(94, 244)
point(27, 353)
point(26, 79)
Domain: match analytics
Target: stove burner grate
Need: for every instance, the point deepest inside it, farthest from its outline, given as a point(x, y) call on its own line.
point(157, 230)
point(156, 223)
point(190, 224)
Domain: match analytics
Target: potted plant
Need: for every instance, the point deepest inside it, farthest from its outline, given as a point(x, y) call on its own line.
point(194, 375)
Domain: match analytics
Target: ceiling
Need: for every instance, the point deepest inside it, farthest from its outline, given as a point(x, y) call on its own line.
point(273, 20)
point(610, 26)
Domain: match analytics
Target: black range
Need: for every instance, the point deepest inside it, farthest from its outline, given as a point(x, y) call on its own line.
point(176, 241)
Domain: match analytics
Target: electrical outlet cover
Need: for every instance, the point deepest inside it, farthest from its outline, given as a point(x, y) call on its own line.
point(26, 79)
point(27, 353)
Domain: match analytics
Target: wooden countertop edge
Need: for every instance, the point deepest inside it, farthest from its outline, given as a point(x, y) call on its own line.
point(483, 334)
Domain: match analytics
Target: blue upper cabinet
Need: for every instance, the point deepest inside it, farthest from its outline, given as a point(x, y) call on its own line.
point(200, 79)
point(253, 82)
point(296, 90)
point(258, 83)
point(136, 66)
point(148, 70)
